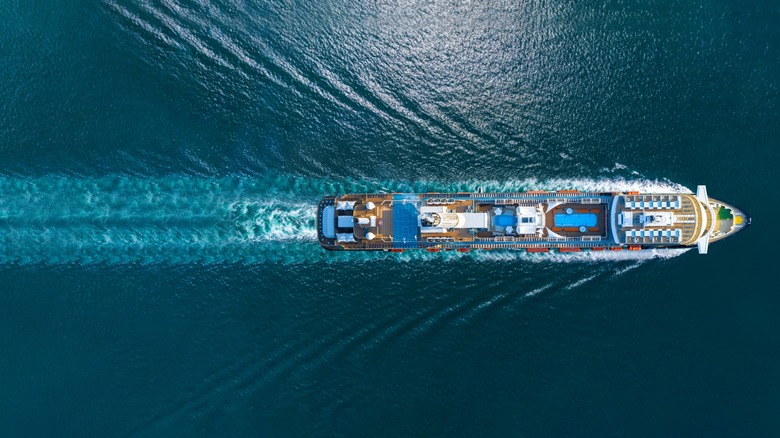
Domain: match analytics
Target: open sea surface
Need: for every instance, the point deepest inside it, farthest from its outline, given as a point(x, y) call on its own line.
point(160, 164)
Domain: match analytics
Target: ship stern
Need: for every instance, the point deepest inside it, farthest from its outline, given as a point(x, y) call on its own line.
point(326, 223)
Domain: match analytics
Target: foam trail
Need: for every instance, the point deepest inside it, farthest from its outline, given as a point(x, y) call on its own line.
point(538, 290)
point(580, 282)
point(58, 219)
point(627, 268)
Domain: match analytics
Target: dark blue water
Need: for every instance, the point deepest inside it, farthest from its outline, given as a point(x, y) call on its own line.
point(160, 162)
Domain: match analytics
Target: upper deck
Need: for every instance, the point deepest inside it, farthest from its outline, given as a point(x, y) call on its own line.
point(656, 219)
point(674, 219)
point(524, 219)
point(568, 220)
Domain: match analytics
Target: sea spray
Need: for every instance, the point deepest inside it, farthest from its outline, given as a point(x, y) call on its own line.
point(174, 219)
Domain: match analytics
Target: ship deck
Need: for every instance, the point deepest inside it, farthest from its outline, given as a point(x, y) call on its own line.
point(687, 218)
point(394, 224)
point(598, 229)
point(565, 220)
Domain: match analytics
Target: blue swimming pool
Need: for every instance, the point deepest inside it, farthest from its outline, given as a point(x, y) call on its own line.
point(405, 212)
point(575, 220)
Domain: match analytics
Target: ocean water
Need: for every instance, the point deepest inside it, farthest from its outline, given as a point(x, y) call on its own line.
point(160, 164)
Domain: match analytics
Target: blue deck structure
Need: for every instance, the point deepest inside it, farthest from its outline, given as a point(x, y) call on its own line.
point(503, 220)
point(575, 220)
point(405, 218)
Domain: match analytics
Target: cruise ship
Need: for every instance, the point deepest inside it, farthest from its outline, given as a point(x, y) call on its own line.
point(534, 221)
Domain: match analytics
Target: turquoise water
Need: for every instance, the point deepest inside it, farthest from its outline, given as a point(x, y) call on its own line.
point(575, 220)
point(160, 164)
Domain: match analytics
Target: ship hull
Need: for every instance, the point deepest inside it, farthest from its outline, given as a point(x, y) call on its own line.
point(537, 221)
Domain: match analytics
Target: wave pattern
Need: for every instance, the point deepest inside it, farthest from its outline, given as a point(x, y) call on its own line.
point(182, 219)
point(397, 321)
point(408, 89)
